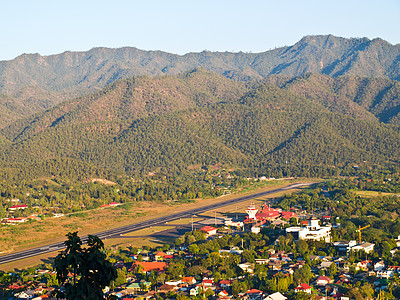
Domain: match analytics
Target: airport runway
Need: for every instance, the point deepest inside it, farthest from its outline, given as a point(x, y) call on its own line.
point(112, 233)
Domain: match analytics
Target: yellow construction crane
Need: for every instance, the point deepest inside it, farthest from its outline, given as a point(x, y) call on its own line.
point(359, 232)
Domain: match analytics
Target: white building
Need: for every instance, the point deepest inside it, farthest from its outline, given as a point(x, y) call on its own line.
point(352, 245)
point(345, 246)
point(313, 231)
point(230, 222)
point(366, 247)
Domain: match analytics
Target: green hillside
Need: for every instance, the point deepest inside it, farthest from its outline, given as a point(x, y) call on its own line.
point(359, 97)
point(168, 123)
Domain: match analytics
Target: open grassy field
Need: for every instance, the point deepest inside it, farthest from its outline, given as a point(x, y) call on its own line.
point(369, 194)
point(38, 233)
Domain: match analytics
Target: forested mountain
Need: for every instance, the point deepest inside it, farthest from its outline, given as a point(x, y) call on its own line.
point(40, 82)
point(360, 97)
point(140, 125)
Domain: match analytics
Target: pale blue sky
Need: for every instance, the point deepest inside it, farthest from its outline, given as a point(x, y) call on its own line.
point(52, 26)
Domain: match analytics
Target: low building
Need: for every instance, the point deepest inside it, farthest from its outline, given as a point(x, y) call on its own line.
point(233, 223)
point(209, 230)
point(17, 207)
point(148, 266)
point(366, 247)
point(304, 287)
point(344, 246)
point(275, 296)
point(323, 280)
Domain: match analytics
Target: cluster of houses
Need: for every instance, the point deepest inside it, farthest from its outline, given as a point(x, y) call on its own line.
point(321, 286)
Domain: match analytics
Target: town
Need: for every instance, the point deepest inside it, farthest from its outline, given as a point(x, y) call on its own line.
point(266, 252)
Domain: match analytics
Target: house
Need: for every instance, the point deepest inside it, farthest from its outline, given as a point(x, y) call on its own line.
point(254, 294)
point(275, 296)
point(363, 265)
point(385, 274)
point(379, 266)
point(139, 286)
point(325, 264)
point(166, 288)
point(15, 220)
point(160, 256)
point(208, 282)
point(223, 293)
point(323, 280)
point(262, 261)
point(17, 207)
point(233, 250)
point(189, 280)
point(209, 230)
point(225, 283)
point(148, 266)
point(304, 287)
point(247, 267)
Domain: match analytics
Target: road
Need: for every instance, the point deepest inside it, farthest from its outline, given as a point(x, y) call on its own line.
point(137, 226)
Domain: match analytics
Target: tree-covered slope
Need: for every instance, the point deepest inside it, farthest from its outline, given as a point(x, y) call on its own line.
point(134, 98)
point(44, 81)
point(360, 97)
point(197, 118)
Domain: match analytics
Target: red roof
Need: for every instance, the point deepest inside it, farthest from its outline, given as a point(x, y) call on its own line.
point(226, 282)
point(253, 291)
point(208, 228)
point(188, 279)
point(288, 214)
point(150, 265)
point(303, 286)
point(208, 281)
point(19, 206)
point(268, 214)
point(326, 278)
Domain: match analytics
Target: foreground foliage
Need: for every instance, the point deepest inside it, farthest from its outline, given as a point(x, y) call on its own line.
point(90, 270)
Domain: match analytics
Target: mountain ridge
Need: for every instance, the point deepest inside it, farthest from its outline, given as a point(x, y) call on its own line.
point(58, 77)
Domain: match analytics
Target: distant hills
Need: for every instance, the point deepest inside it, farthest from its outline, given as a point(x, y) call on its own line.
point(307, 125)
point(36, 83)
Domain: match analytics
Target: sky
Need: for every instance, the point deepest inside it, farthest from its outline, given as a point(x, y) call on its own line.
point(51, 27)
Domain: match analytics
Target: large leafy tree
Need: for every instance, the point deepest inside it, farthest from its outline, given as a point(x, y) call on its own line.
point(84, 271)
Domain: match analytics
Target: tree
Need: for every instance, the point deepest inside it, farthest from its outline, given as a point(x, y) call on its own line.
point(302, 247)
point(89, 264)
point(332, 270)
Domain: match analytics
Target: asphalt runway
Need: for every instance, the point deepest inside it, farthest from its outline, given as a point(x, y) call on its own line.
point(113, 233)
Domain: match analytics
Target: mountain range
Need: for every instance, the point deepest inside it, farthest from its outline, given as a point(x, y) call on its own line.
point(311, 109)
point(36, 82)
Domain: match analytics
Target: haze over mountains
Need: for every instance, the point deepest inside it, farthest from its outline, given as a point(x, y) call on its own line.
point(322, 103)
